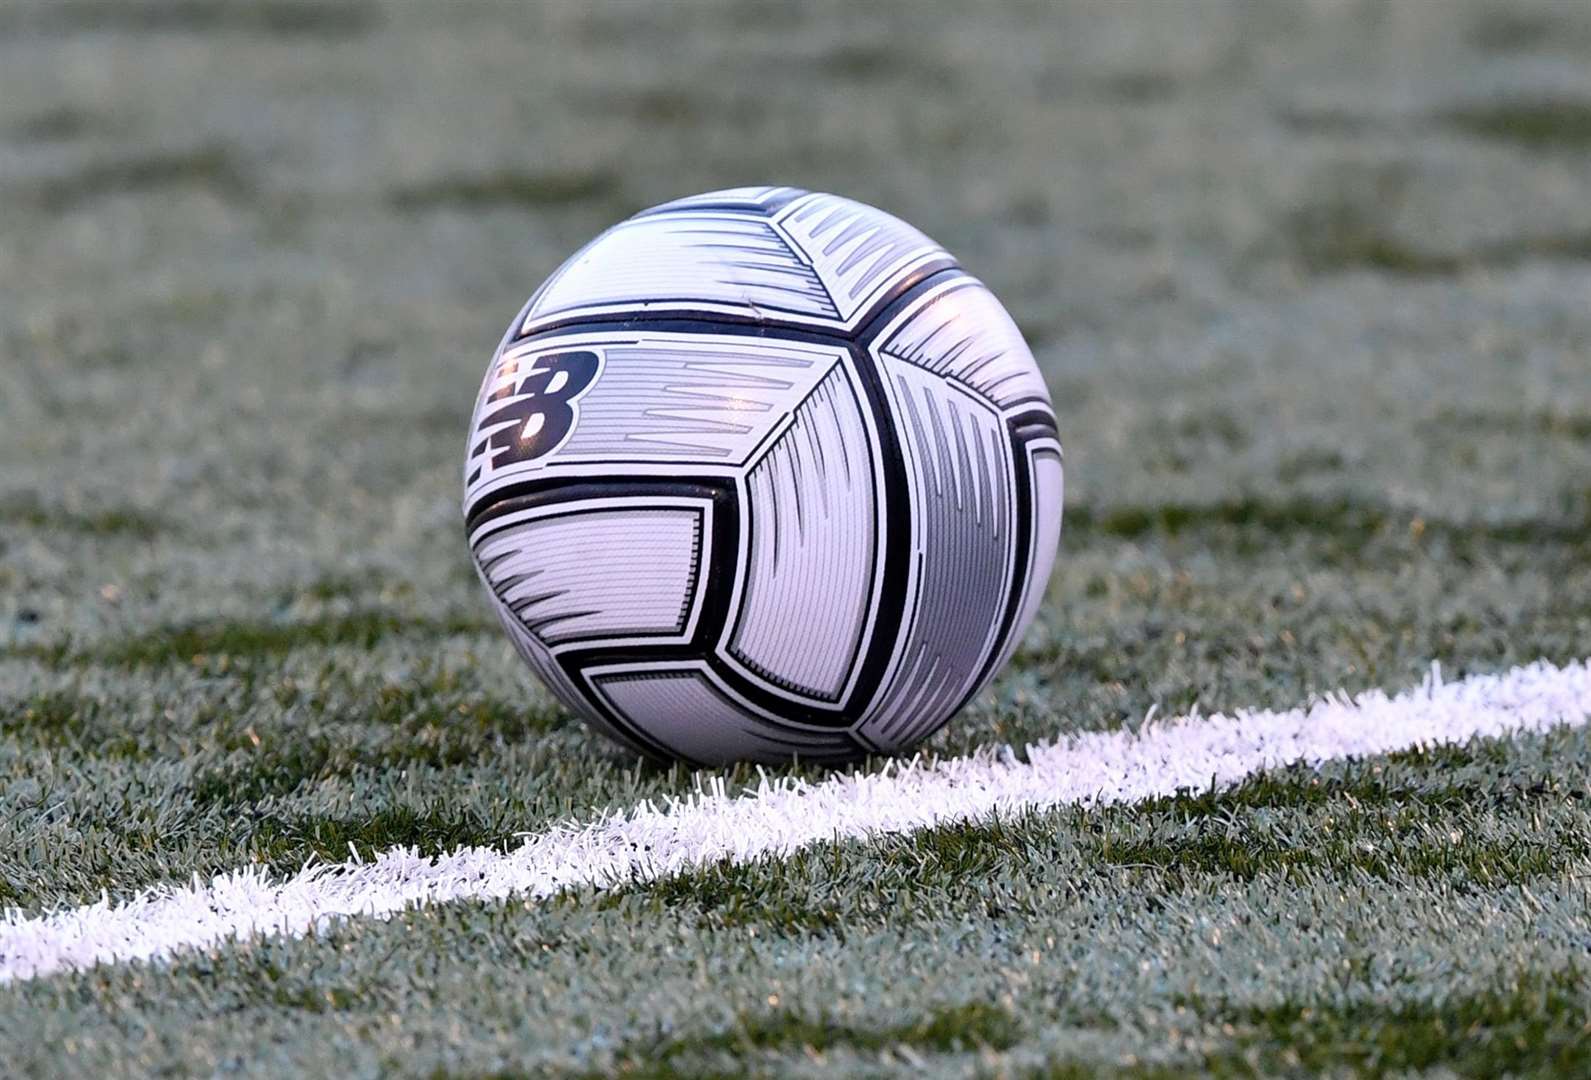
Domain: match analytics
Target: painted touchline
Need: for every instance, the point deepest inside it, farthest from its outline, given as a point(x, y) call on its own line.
point(653, 841)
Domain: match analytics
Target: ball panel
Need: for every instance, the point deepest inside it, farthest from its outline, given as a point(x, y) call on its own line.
point(689, 261)
point(750, 199)
point(658, 397)
point(569, 572)
point(694, 718)
point(958, 330)
point(811, 551)
point(857, 252)
point(958, 456)
point(1046, 479)
point(695, 396)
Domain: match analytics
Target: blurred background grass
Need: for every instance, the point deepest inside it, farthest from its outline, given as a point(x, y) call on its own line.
point(1305, 269)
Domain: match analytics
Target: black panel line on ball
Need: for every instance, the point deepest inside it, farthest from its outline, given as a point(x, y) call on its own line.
point(907, 292)
point(1033, 423)
point(777, 734)
point(1026, 534)
point(1039, 403)
point(635, 314)
point(753, 211)
point(717, 582)
point(539, 627)
point(628, 316)
point(749, 527)
point(639, 740)
point(777, 199)
point(721, 324)
point(894, 495)
point(537, 491)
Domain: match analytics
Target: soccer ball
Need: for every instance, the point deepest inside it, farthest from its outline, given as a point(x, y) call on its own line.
point(763, 474)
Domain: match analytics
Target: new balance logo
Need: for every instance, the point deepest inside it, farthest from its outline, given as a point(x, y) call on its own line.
point(538, 410)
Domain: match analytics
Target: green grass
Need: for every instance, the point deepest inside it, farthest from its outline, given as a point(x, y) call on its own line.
point(1349, 525)
point(1450, 826)
point(271, 18)
point(28, 511)
point(195, 641)
point(432, 830)
point(509, 189)
point(1538, 125)
point(64, 122)
point(1530, 1027)
point(1313, 314)
point(1546, 422)
point(969, 1027)
point(200, 642)
point(212, 168)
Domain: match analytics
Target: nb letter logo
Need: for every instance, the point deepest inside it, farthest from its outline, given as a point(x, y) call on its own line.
point(538, 406)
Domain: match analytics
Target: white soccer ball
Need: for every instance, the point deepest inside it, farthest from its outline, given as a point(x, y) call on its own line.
point(763, 474)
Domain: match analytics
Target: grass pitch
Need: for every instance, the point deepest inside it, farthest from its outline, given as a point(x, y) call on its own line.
point(1308, 282)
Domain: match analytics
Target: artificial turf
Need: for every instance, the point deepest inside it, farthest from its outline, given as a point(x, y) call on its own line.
point(1309, 286)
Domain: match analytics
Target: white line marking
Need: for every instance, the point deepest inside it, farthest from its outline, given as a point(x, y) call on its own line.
point(651, 842)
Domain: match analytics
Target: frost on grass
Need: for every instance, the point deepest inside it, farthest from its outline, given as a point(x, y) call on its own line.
point(655, 840)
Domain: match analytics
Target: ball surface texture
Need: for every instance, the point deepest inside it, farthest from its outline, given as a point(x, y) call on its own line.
point(763, 474)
